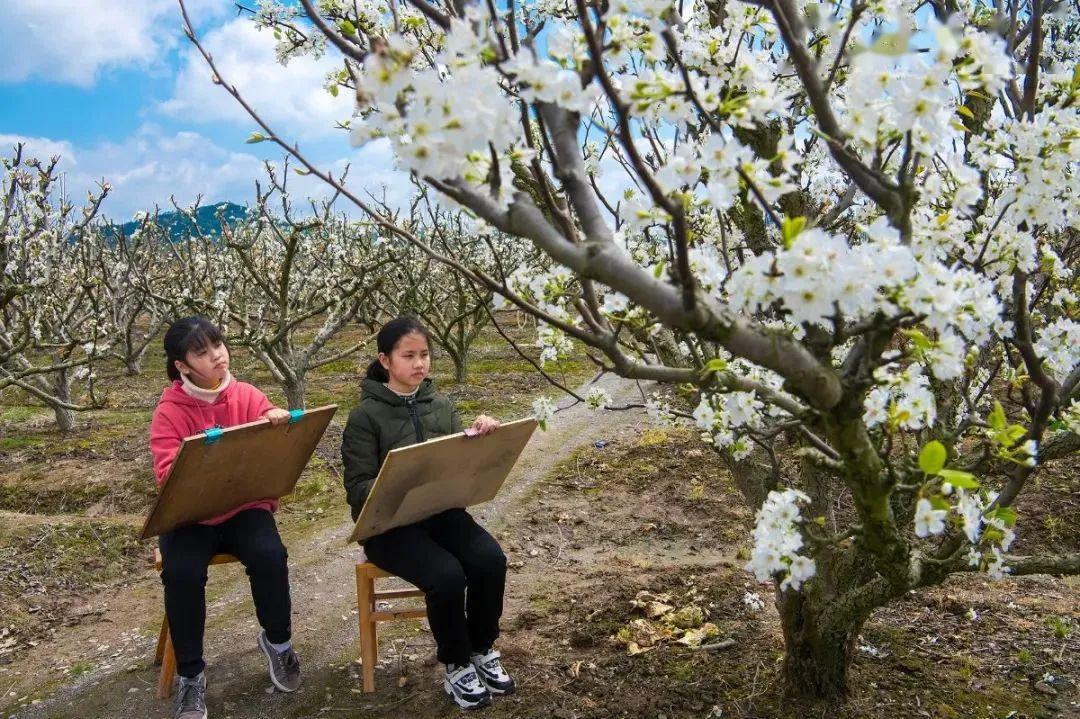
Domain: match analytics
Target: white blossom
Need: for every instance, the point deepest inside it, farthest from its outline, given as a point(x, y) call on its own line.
point(928, 520)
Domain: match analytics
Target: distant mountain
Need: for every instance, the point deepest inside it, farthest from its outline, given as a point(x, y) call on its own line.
point(179, 225)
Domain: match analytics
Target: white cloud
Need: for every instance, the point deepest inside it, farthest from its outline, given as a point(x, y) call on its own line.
point(147, 168)
point(39, 147)
point(290, 98)
point(72, 41)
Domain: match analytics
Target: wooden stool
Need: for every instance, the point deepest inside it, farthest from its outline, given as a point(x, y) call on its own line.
point(366, 597)
point(164, 654)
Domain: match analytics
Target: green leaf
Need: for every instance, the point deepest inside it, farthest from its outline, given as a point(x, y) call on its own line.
point(932, 457)
point(939, 502)
point(333, 89)
point(892, 44)
point(965, 111)
point(790, 228)
point(256, 137)
point(918, 338)
point(1005, 514)
point(1057, 425)
point(997, 417)
point(347, 28)
point(714, 365)
point(1012, 434)
point(958, 478)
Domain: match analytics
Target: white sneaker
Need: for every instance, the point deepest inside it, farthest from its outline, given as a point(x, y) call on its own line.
point(462, 684)
point(492, 674)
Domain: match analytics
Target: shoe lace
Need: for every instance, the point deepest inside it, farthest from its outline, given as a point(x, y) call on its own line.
point(189, 696)
point(290, 661)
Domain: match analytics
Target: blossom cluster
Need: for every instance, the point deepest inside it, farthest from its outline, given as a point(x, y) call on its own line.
point(903, 399)
point(417, 106)
point(777, 541)
point(543, 410)
point(720, 416)
point(988, 532)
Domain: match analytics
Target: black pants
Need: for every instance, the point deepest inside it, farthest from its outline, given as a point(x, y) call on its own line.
point(462, 571)
point(252, 537)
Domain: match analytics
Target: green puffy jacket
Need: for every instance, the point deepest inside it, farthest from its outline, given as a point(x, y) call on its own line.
point(384, 421)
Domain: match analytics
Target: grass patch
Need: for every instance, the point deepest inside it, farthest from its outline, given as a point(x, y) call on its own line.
point(45, 567)
point(67, 487)
point(14, 414)
point(14, 443)
point(77, 669)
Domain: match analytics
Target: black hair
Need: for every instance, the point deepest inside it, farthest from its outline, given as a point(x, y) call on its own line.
point(388, 338)
point(186, 334)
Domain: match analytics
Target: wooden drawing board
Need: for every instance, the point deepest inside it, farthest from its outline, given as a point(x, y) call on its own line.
point(421, 480)
point(238, 465)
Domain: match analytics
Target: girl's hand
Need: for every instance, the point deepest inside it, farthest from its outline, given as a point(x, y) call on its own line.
point(484, 425)
point(277, 416)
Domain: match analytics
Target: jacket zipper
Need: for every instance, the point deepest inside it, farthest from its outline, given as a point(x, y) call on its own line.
point(410, 403)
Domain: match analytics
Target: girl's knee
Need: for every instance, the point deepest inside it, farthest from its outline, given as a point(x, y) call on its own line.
point(268, 557)
point(183, 574)
point(447, 583)
point(492, 560)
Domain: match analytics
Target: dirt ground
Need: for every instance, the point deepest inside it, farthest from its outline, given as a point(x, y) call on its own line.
point(607, 518)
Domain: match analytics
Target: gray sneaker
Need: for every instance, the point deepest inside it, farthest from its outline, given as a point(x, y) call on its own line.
point(191, 698)
point(284, 666)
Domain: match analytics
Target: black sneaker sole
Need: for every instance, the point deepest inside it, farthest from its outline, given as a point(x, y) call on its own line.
point(496, 691)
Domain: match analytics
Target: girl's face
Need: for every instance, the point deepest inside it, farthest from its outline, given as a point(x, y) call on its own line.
point(206, 366)
point(408, 363)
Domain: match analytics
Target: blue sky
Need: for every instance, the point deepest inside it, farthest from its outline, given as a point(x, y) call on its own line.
point(115, 89)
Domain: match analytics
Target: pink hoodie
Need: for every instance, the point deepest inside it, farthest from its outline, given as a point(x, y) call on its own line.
point(178, 415)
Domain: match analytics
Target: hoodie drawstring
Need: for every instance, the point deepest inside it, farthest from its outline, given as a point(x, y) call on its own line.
point(410, 403)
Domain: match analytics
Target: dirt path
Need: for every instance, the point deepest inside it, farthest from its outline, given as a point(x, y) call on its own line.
point(103, 668)
point(27, 520)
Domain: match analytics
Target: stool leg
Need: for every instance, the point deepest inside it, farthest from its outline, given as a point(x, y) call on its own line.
point(168, 667)
point(159, 651)
point(369, 650)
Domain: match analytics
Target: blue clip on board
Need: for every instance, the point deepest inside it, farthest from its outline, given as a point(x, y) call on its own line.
point(213, 434)
point(295, 415)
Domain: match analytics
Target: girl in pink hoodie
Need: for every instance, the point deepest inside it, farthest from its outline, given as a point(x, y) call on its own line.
point(204, 394)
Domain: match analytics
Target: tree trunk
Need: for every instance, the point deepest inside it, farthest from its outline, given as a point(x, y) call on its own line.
point(816, 669)
point(134, 365)
point(295, 386)
point(818, 646)
point(461, 367)
point(65, 418)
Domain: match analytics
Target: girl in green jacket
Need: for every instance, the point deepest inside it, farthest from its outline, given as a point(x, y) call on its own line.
point(458, 565)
